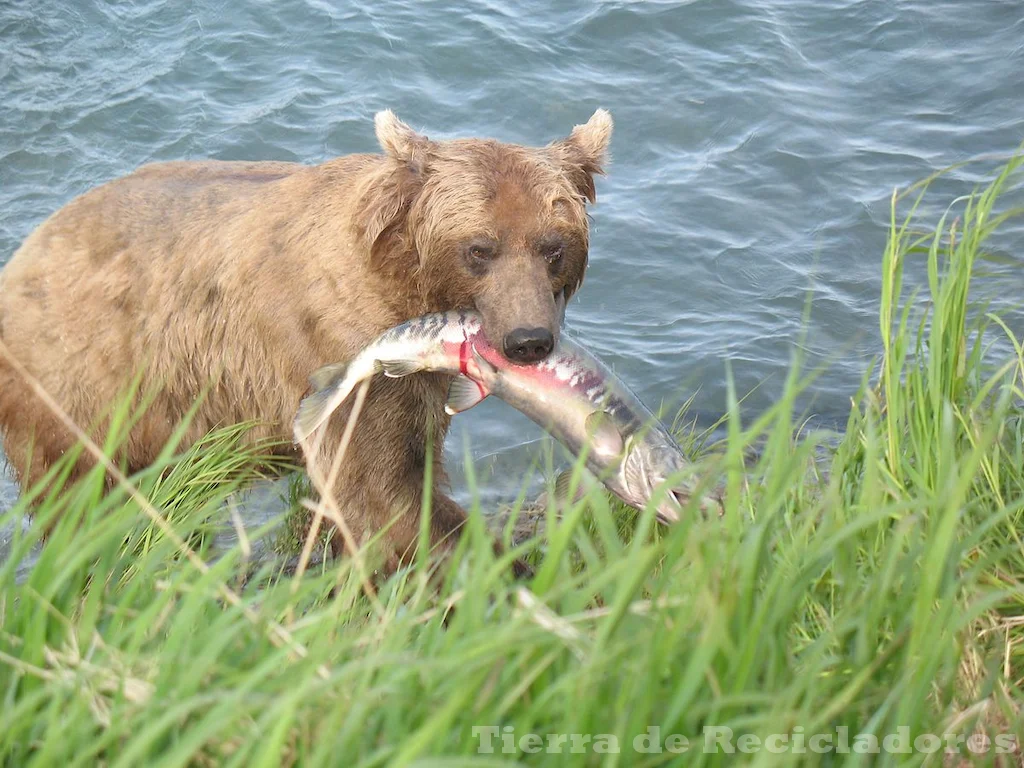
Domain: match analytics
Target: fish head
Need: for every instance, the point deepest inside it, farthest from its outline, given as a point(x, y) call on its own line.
point(654, 467)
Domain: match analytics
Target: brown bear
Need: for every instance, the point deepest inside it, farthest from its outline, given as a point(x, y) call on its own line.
point(236, 280)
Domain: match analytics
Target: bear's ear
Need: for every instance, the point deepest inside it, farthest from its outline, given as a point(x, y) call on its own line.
point(401, 142)
point(387, 195)
point(384, 204)
point(584, 152)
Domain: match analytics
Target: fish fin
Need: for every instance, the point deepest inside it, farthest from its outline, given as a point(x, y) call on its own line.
point(313, 411)
point(563, 486)
point(484, 364)
point(324, 377)
point(463, 394)
point(605, 438)
point(396, 369)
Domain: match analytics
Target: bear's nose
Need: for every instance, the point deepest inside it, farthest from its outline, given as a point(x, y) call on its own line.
point(528, 345)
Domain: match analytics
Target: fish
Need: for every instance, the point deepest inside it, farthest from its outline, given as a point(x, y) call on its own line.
point(570, 393)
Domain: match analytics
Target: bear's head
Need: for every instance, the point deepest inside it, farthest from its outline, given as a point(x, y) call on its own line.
point(477, 223)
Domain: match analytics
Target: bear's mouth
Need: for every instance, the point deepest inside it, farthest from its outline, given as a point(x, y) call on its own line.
point(559, 298)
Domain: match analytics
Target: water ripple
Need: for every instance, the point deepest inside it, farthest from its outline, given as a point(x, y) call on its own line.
point(757, 143)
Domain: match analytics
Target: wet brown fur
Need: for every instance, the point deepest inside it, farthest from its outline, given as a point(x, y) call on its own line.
point(239, 279)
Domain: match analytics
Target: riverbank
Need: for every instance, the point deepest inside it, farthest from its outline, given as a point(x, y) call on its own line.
point(876, 607)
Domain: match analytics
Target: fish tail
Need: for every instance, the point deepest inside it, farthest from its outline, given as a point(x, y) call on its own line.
point(337, 383)
point(322, 378)
point(313, 411)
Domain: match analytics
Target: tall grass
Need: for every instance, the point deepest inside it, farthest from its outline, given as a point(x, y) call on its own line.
point(876, 597)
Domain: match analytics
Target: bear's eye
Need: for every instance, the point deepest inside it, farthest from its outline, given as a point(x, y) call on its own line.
point(481, 251)
point(552, 248)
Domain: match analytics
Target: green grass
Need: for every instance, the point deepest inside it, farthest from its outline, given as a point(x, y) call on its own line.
point(877, 591)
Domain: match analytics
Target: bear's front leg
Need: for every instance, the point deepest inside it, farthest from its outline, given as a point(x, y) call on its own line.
point(380, 482)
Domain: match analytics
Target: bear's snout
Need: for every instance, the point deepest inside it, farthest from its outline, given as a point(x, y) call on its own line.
point(528, 345)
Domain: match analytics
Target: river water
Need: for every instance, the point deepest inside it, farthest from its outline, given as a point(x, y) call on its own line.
point(756, 148)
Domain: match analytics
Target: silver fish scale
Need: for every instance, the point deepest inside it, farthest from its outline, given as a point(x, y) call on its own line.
point(588, 375)
point(454, 326)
